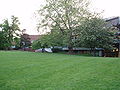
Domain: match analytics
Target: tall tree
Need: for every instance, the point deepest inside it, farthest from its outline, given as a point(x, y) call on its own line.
point(65, 16)
point(94, 33)
point(9, 31)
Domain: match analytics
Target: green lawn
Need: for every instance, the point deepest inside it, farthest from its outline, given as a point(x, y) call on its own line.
point(42, 71)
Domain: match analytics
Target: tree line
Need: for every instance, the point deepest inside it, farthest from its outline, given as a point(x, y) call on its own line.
point(71, 24)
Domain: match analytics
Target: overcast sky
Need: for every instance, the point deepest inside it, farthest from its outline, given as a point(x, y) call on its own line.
point(25, 9)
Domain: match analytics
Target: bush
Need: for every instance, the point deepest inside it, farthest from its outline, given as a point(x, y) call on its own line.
point(36, 44)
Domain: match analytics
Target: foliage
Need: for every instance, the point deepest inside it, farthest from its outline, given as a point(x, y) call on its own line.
point(78, 27)
point(36, 44)
point(63, 16)
point(92, 33)
point(95, 34)
point(3, 41)
point(9, 31)
point(49, 40)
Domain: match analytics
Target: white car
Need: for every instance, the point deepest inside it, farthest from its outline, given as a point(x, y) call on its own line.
point(48, 50)
point(44, 50)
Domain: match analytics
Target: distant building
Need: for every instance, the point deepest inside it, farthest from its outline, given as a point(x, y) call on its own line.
point(115, 22)
point(26, 41)
point(34, 37)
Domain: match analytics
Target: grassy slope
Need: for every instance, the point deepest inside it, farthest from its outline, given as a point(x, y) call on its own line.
point(36, 71)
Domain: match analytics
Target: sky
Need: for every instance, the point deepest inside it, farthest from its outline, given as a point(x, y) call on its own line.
point(25, 11)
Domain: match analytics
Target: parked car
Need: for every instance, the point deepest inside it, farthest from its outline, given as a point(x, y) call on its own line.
point(44, 50)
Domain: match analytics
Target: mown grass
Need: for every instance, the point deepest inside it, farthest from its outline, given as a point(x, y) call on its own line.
point(43, 71)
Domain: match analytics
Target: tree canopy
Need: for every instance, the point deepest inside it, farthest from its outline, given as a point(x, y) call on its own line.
point(9, 32)
point(95, 34)
point(64, 16)
point(75, 24)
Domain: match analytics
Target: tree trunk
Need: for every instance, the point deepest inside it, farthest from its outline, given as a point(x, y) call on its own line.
point(70, 46)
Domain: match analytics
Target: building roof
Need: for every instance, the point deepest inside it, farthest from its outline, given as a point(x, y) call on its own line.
point(111, 18)
point(34, 37)
point(115, 21)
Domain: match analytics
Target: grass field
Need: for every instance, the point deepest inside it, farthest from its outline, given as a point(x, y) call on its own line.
point(42, 71)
